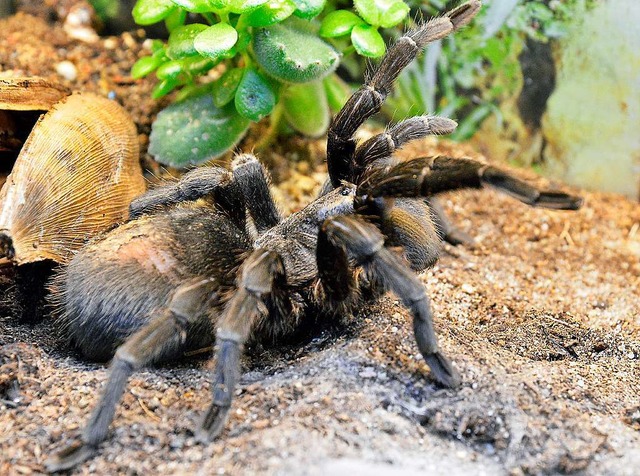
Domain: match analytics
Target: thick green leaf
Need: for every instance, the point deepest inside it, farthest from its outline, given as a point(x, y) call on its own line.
point(191, 90)
point(254, 97)
point(194, 6)
point(170, 70)
point(144, 66)
point(306, 108)
point(175, 19)
point(274, 11)
point(146, 12)
point(244, 39)
point(163, 88)
point(194, 131)
point(394, 14)
point(368, 10)
point(157, 46)
point(308, 9)
point(386, 13)
point(243, 6)
point(197, 65)
point(293, 56)
point(224, 89)
point(180, 42)
point(216, 41)
point(339, 23)
point(191, 66)
point(367, 41)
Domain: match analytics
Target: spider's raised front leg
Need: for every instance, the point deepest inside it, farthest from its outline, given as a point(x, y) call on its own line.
point(146, 346)
point(382, 146)
point(262, 277)
point(346, 236)
point(367, 100)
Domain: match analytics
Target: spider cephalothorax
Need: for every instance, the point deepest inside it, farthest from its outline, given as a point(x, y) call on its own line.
point(211, 254)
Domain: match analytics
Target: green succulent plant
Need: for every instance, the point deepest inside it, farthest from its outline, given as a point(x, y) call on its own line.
point(278, 59)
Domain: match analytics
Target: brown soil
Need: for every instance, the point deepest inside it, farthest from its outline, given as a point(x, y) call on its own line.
point(541, 318)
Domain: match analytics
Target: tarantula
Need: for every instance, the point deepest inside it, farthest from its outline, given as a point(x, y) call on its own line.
point(212, 251)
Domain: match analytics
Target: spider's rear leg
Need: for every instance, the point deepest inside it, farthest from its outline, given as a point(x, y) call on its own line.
point(262, 277)
point(365, 243)
point(447, 230)
point(214, 181)
point(408, 223)
point(368, 100)
point(247, 185)
point(141, 349)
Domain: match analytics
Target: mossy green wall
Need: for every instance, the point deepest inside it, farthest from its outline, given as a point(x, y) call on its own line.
point(592, 123)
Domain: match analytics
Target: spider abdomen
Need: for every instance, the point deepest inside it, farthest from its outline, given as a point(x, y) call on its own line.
point(120, 282)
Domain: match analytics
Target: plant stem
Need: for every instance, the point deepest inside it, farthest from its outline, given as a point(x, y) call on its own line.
point(348, 50)
point(241, 25)
point(211, 19)
point(246, 58)
point(275, 120)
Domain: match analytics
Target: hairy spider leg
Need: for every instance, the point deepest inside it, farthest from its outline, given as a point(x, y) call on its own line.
point(447, 230)
point(348, 235)
point(141, 349)
point(368, 100)
point(261, 276)
point(215, 182)
point(382, 146)
point(247, 185)
point(253, 179)
point(428, 176)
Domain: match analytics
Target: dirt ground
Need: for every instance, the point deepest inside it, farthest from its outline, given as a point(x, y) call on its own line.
point(541, 318)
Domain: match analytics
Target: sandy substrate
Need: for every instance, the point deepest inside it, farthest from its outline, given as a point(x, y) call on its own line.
point(541, 318)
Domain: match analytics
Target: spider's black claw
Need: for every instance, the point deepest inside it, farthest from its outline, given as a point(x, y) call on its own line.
point(463, 14)
point(456, 236)
point(443, 370)
point(558, 201)
point(212, 423)
point(72, 455)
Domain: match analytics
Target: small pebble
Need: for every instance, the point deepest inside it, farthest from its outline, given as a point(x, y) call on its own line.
point(368, 372)
point(67, 70)
point(261, 424)
point(129, 40)
point(467, 288)
point(111, 44)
